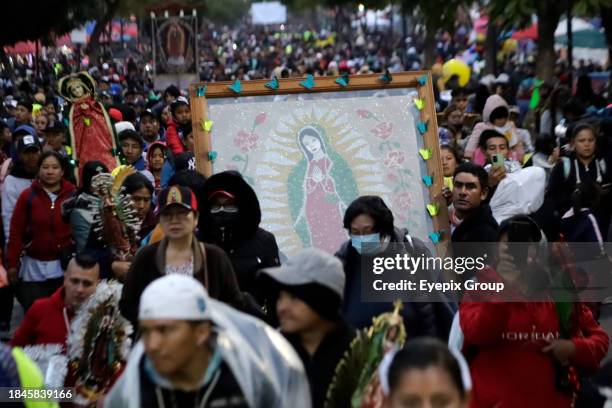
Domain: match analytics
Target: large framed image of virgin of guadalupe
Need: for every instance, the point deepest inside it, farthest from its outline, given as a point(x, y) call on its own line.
point(310, 146)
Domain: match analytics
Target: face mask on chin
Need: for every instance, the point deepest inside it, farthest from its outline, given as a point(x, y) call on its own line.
point(225, 223)
point(504, 129)
point(372, 241)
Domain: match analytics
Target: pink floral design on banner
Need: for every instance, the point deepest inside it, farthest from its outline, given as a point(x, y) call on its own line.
point(259, 119)
point(403, 201)
point(383, 130)
point(363, 113)
point(394, 159)
point(392, 177)
point(246, 141)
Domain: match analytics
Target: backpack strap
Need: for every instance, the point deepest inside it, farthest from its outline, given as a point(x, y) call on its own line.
point(409, 243)
point(567, 166)
point(602, 166)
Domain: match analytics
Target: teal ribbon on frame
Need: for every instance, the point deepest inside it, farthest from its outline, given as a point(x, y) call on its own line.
point(422, 127)
point(436, 236)
point(343, 81)
point(309, 82)
point(386, 77)
point(273, 84)
point(236, 87)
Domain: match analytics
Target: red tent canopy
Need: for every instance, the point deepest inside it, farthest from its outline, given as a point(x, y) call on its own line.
point(530, 33)
point(29, 47)
point(22, 47)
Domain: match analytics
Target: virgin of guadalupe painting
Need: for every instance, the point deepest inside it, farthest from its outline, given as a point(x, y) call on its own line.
point(175, 44)
point(91, 131)
point(309, 156)
point(322, 189)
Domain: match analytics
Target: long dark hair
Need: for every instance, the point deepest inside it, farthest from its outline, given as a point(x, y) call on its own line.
point(310, 131)
point(90, 169)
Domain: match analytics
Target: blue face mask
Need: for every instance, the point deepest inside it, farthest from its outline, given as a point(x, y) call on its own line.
point(358, 240)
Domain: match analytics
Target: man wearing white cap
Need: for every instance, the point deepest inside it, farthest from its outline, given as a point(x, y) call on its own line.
point(197, 352)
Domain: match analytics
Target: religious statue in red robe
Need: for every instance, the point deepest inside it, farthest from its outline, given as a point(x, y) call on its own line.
point(91, 132)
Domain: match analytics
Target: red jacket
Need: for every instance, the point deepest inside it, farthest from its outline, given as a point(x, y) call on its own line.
point(504, 342)
point(173, 139)
point(47, 232)
point(44, 322)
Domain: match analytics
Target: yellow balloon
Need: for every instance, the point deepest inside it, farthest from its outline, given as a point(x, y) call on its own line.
point(510, 45)
point(456, 67)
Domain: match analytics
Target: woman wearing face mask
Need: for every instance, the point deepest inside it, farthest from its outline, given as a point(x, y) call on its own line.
point(369, 223)
point(425, 373)
point(180, 252)
point(230, 219)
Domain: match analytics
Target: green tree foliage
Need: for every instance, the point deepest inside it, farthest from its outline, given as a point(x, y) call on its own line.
point(226, 11)
point(517, 13)
point(434, 15)
point(23, 20)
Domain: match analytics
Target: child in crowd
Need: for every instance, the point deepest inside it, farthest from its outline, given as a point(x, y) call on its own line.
point(180, 117)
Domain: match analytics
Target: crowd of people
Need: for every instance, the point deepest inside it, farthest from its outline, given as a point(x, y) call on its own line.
point(222, 318)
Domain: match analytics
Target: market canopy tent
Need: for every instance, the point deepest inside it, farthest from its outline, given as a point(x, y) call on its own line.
point(310, 146)
point(272, 12)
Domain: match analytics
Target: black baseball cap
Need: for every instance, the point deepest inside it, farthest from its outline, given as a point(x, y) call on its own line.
point(149, 113)
point(177, 195)
point(28, 142)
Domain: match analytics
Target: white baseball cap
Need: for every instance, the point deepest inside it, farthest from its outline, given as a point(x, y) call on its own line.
point(174, 297)
point(124, 125)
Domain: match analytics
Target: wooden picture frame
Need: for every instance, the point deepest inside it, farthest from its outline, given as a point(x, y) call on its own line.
point(200, 93)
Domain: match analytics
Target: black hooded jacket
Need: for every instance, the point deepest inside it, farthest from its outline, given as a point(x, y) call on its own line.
point(249, 247)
